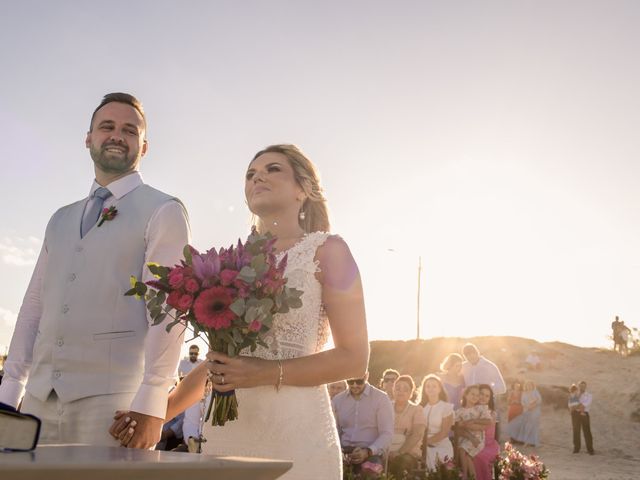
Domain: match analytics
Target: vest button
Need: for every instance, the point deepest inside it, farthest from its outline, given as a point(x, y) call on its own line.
point(57, 374)
point(79, 248)
point(60, 342)
point(65, 308)
point(72, 277)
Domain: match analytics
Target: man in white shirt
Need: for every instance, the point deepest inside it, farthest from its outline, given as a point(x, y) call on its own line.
point(580, 420)
point(188, 364)
point(80, 348)
point(478, 370)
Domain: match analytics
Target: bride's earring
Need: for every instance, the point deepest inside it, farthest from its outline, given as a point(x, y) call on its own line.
point(302, 215)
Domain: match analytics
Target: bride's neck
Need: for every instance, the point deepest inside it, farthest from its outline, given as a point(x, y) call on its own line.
point(287, 231)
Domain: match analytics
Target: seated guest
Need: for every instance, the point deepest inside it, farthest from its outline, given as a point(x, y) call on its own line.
point(188, 364)
point(470, 441)
point(171, 436)
point(336, 388)
point(533, 361)
point(439, 416)
point(364, 417)
point(408, 429)
point(483, 461)
point(389, 377)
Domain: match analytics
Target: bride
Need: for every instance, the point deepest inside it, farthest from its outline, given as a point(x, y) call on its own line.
point(284, 408)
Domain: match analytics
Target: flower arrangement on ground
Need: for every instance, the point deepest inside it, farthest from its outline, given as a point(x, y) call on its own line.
point(514, 465)
point(446, 470)
point(228, 296)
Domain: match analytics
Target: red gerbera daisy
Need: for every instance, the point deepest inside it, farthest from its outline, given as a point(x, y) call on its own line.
point(211, 308)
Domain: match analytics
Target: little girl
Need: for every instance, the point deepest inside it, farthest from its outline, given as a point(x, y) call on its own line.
point(470, 442)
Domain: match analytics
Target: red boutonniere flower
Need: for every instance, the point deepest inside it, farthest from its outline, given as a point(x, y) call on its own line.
point(108, 214)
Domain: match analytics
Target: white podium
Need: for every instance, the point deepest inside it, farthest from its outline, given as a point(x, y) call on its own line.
point(82, 462)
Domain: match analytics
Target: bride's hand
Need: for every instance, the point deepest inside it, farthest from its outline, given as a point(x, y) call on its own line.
point(123, 427)
point(228, 373)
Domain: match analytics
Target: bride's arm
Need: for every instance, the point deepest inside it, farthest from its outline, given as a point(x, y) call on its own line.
point(344, 303)
point(189, 391)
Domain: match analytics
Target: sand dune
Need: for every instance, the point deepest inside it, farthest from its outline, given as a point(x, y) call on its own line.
point(614, 382)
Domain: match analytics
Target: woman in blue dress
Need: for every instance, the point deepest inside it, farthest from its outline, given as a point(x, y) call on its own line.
point(526, 427)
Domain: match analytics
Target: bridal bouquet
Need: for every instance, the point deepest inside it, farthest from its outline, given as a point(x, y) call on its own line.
point(229, 296)
point(514, 465)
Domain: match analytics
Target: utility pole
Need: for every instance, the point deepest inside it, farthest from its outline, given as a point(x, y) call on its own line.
point(418, 306)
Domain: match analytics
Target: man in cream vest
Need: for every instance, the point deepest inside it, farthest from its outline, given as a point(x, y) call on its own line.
point(81, 349)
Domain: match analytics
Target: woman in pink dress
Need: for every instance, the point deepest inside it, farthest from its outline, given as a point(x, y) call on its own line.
point(483, 461)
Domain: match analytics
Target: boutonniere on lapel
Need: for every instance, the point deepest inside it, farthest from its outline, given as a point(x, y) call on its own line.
point(108, 214)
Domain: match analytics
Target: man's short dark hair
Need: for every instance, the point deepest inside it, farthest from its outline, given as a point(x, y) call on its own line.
point(120, 97)
point(194, 347)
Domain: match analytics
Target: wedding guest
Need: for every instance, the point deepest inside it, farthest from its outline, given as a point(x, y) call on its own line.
point(80, 349)
point(470, 442)
point(533, 361)
point(452, 379)
point(526, 427)
point(515, 401)
point(364, 417)
point(335, 388)
point(483, 461)
point(581, 420)
point(574, 397)
point(387, 381)
point(477, 369)
point(409, 426)
point(439, 416)
point(188, 364)
point(171, 436)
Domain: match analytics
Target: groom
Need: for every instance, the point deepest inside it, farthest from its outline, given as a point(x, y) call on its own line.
point(80, 348)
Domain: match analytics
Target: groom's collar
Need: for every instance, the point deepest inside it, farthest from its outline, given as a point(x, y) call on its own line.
point(122, 186)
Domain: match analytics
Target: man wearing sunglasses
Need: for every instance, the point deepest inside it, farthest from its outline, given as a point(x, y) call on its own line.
point(364, 416)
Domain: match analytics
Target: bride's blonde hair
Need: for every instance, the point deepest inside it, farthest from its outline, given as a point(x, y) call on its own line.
point(316, 214)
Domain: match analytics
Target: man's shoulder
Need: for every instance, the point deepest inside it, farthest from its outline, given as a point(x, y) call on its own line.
point(378, 394)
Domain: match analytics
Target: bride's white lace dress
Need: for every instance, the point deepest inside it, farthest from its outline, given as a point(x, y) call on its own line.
point(295, 423)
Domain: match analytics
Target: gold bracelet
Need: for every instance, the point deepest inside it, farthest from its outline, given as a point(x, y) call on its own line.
point(280, 376)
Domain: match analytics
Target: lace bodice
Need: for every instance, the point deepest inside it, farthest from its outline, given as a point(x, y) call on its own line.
point(305, 330)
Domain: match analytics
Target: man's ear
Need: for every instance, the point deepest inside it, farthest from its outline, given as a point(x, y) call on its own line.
point(87, 140)
point(145, 146)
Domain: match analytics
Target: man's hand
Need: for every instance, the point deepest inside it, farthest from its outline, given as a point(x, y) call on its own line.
point(359, 455)
point(148, 430)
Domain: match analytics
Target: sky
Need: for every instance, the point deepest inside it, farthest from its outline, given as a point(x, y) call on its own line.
point(495, 142)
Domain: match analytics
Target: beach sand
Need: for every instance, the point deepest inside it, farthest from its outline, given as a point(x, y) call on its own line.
point(615, 413)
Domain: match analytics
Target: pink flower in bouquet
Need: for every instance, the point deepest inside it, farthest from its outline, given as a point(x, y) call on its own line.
point(227, 277)
point(243, 288)
point(174, 299)
point(185, 302)
point(176, 277)
point(206, 267)
point(255, 326)
point(191, 285)
point(211, 308)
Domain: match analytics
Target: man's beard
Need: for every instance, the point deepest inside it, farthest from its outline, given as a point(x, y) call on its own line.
point(112, 163)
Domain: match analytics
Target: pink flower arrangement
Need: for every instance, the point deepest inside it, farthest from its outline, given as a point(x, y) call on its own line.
point(444, 470)
point(514, 465)
point(229, 296)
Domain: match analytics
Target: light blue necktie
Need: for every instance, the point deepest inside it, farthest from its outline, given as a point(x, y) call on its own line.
point(90, 219)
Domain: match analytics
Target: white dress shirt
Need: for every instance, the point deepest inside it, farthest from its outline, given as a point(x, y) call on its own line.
point(585, 400)
point(485, 371)
point(167, 228)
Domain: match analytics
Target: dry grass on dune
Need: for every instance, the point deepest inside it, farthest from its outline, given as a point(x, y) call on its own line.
point(613, 381)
